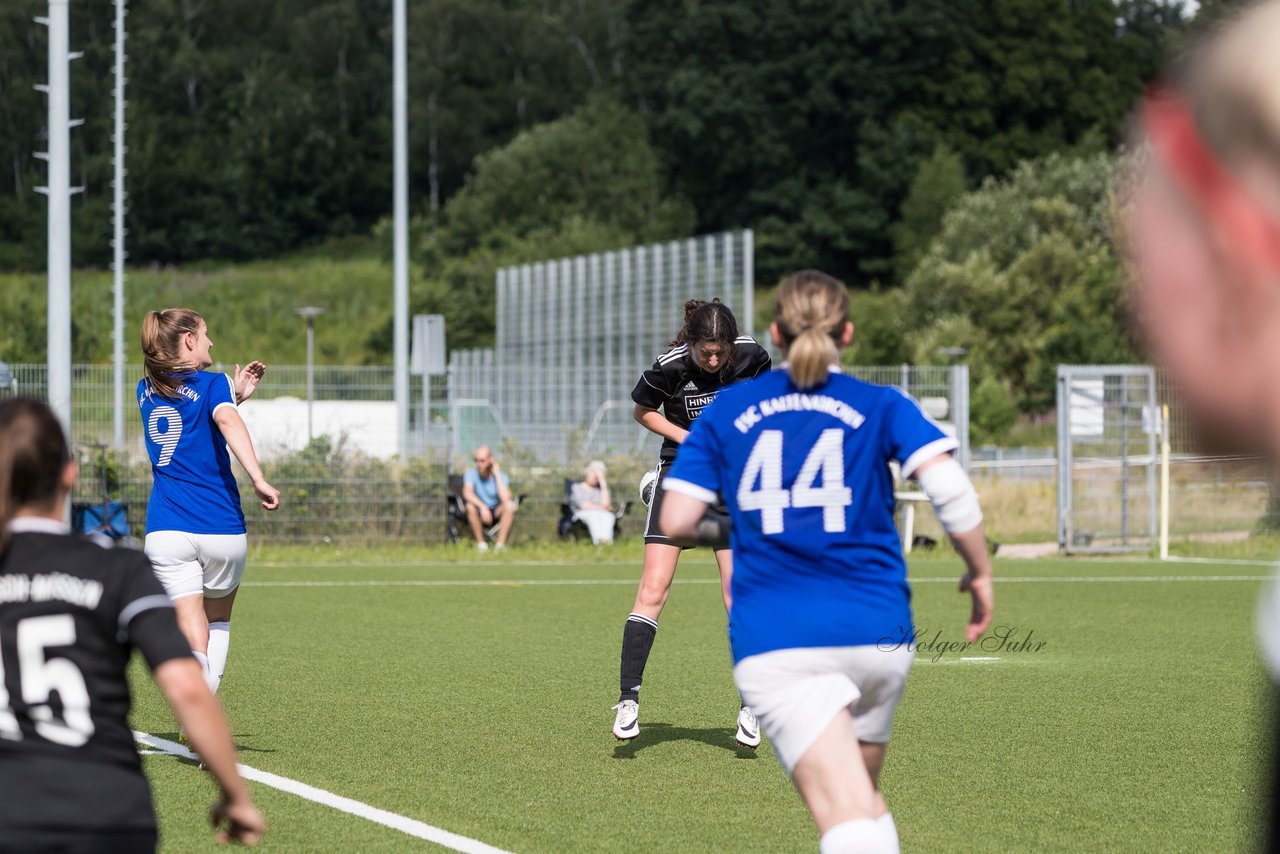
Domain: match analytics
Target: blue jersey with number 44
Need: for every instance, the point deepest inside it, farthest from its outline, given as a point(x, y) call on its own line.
point(805, 475)
point(193, 489)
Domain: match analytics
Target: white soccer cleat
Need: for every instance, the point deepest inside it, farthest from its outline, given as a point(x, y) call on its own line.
point(748, 734)
point(626, 725)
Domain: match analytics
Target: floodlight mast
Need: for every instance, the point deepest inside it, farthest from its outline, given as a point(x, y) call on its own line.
point(118, 232)
point(400, 195)
point(59, 190)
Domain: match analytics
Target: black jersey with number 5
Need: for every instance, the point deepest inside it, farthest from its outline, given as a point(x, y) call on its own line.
point(676, 385)
point(71, 613)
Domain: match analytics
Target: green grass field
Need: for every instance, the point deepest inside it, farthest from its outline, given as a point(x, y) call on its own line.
point(474, 697)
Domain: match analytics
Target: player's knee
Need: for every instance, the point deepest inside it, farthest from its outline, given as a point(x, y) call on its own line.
point(652, 595)
point(509, 508)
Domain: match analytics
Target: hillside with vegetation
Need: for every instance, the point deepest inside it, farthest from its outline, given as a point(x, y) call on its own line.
point(949, 159)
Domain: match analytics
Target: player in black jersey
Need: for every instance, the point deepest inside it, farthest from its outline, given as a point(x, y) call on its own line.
point(71, 614)
point(706, 355)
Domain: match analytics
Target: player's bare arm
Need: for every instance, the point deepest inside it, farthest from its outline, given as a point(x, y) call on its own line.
point(655, 422)
point(234, 817)
point(237, 436)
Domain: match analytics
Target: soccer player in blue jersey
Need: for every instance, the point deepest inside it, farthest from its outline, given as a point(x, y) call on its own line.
point(195, 527)
point(820, 602)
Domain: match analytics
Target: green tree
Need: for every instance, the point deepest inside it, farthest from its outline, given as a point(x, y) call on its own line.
point(1025, 274)
point(587, 182)
point(809, 121)
point(596, 165)
point(938, 183)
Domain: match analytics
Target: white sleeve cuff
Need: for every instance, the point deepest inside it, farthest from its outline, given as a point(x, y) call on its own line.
point(706, 496)
point(928, 452)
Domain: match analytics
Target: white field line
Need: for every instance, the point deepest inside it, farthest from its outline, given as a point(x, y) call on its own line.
point(590, 582)
point(409, 826)
point(1232, 561)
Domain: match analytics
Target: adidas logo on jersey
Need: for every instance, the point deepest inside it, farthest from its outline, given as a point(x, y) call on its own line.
point(690, 386)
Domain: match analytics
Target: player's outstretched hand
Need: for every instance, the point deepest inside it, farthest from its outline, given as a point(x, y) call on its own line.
point(981, 589)
point(246, 379)
point(267, 494)
point(237, 821)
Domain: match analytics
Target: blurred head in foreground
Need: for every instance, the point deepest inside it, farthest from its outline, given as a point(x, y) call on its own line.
point(1203, 226)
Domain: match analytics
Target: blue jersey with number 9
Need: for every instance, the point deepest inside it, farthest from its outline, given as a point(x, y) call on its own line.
point(805, 475)
point(193, 489)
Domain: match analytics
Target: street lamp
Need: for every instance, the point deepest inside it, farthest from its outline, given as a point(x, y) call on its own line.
point(309, 313)
point(953, 354)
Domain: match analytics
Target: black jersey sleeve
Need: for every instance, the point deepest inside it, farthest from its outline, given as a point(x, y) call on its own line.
point(146, 619)
point(656, 385)
point(752, 359)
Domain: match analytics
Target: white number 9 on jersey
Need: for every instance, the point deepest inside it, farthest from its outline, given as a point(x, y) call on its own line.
point(825, 458)
point(168, 440)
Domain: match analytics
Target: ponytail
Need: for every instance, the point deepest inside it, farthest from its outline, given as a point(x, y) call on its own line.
point(809, 356)
point(811, 310)
point(162, 333)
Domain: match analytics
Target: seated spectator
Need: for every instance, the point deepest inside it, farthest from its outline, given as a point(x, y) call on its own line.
point(591, 504)
point(486, 490)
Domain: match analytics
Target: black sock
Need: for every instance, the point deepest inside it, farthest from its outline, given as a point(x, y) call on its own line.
point(637, 640)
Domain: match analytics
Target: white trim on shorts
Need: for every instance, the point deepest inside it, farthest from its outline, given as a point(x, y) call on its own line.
point(795, 693)
point(193, 564)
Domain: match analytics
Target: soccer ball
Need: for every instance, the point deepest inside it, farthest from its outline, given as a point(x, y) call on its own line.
point(647, 484)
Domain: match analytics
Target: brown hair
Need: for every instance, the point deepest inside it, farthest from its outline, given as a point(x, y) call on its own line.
point(33, 451)
point(162, 333)
point(811, 310)
point(709, 322)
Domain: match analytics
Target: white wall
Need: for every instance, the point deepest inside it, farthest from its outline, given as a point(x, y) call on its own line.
point(279, 425)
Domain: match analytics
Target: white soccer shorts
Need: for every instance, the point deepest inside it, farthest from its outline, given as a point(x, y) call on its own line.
point(796, 692)
point(190, 564)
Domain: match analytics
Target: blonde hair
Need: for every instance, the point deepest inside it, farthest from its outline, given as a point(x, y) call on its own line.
point(1229, 77)
point(162, 333)
point(811, 310)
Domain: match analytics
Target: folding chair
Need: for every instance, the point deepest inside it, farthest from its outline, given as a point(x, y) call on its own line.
point(456, 529)
point(572, 530)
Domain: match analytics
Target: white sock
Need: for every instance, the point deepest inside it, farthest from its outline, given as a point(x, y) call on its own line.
point(204, 667)
point(219, 646)
point(891, 831)
point(861, 836)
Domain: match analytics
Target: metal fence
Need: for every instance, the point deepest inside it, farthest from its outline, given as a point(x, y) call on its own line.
point(573, 336)
point(348, 483)
point(1219, 504)
point(1111, 421)
point(1108, 430)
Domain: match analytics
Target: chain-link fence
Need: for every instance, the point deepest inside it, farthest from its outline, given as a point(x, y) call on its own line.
point(334, 456)
point(574, 335)
point(1220, 505)
point(1108, 432)
point(1112, 421)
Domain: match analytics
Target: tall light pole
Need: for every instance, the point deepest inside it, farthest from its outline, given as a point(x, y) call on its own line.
point(117, 240)
point(309, 313)
point(400, 201)
point(59, 191)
